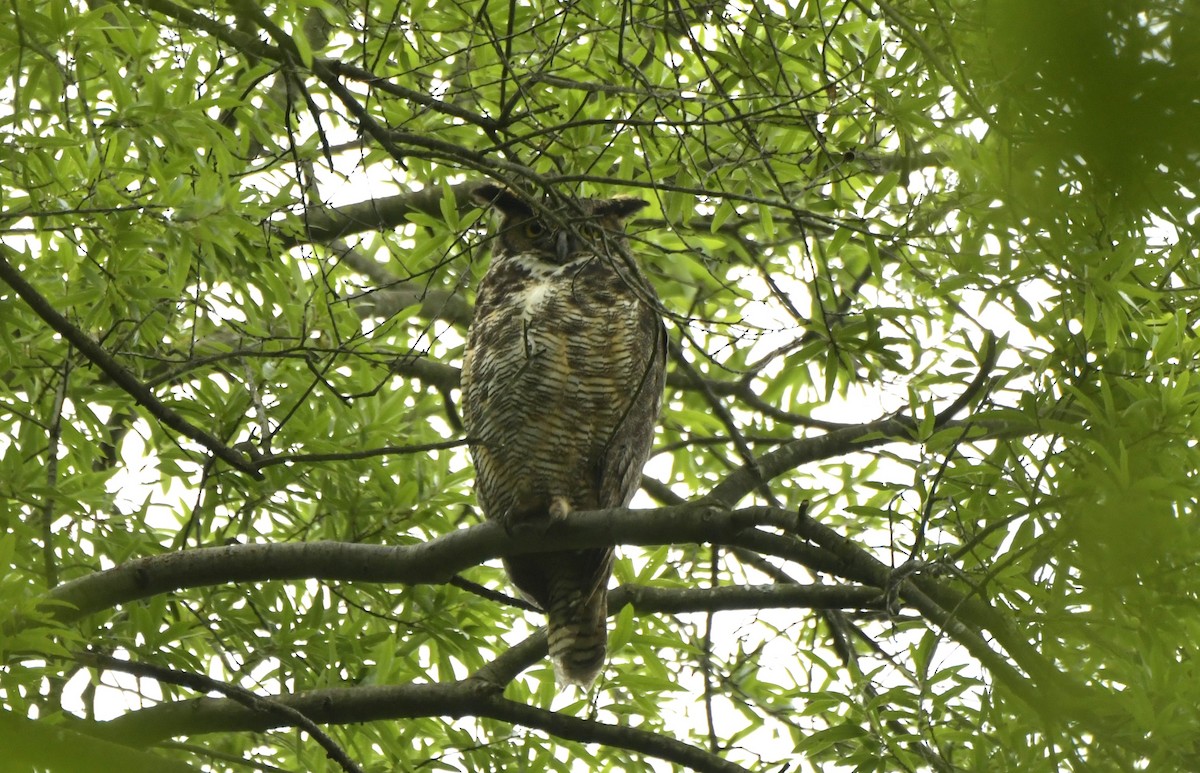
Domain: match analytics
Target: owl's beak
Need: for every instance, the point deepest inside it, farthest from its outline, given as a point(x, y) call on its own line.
point(562, 245)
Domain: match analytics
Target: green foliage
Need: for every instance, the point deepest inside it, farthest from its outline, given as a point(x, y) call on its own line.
point(856, 221)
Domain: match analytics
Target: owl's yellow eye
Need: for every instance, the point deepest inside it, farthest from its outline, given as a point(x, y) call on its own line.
point(534, 229)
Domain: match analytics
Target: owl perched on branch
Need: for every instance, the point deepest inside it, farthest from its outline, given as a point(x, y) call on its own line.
point(562, 382)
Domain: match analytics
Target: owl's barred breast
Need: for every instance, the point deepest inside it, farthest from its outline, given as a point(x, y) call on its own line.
point(556, 358)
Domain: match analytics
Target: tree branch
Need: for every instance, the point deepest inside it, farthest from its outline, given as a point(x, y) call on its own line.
point(1046, 690)
point(649, 600)
point(327, 225)
point(844, 440)
point(435, 561)
point(470, 697)
point(646, 599)
point(439, 559)
point(122, 377)
point(239, 695)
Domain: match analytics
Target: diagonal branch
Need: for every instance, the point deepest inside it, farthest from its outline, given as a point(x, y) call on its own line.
point(808, 449)
point(97, 355)
point(239, 695)
point(1042, 687)
point(847, 439)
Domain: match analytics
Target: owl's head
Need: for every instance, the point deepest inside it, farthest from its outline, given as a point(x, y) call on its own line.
point(556, 233)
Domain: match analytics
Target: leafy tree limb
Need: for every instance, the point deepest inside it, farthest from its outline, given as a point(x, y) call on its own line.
point(123, 378)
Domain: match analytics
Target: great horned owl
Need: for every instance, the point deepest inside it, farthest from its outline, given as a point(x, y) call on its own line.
point(562, 382)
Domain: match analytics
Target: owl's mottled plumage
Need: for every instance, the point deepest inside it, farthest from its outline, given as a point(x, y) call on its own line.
point(562, 383)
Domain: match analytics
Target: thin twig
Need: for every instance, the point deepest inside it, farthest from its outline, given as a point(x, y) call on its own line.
point(342, 456)
point(49, 564)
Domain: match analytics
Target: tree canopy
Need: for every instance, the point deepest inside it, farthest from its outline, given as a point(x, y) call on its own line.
point(923, 494)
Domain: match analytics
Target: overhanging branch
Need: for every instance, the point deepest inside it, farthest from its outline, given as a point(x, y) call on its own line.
point(650, 600)
point(328, 224)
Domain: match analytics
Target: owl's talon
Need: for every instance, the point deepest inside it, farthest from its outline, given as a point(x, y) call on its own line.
point(560, 508)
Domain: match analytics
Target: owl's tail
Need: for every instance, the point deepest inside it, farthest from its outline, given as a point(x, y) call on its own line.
point(577, 631)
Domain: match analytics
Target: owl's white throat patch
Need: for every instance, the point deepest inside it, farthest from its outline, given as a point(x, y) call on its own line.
point(542, 276)
point(532, 296)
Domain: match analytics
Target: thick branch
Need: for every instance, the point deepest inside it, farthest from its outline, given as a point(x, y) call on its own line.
point(435, 561)
point(648, 600)
point(436, 374)
point(323, 226)
point(439, 559)
point(471, 697)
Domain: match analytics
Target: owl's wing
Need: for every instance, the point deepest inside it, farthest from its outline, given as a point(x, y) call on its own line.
point(620, 472)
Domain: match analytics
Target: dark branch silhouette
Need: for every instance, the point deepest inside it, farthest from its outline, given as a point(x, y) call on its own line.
point(111, 368)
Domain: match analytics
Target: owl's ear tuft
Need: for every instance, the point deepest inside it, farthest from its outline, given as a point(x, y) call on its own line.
point(492, 195)
point(621, 207)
